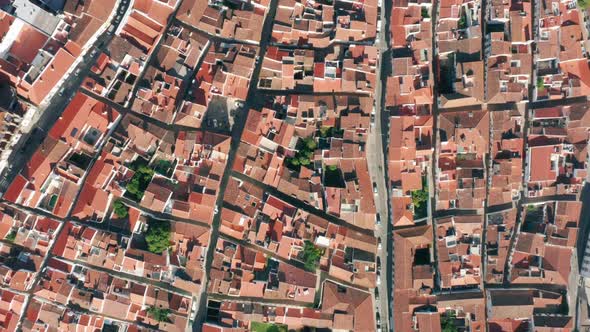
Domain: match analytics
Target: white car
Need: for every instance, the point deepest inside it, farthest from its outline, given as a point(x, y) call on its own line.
point(379, 246)
point(378, 279)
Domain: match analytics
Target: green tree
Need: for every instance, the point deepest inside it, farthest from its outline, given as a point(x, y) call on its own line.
point(159, 314)
point(325, 131)
point(304, 161)
point(52, 201)
point(462, 24)
point(540, 84)
point(311, 255)
point(310, 144)
point(304, 155)
point(419, 197)
point(584, 4)
point(162, 166)
point(425, 12)
point(11, 236)
point(158, 236)
point(447, 322)
point(121, 210)
point(267, 327)
point(420, 200)
point(139, 182)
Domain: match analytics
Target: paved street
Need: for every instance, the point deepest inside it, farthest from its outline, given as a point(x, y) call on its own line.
point(236, 134)
point(377, 170)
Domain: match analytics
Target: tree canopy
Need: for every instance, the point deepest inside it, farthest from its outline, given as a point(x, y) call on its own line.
point(52, 201)
point(310, 143)
point(419, 197)
point(11, 236)
point(139, 182)
point(267, 327)
point(159, 314)
point(158, 236)
point(163, 167)
point(311, 255)
point(462, 24)
point(326, 132)
point(420, 200)
point(540, 81)
point(121, 210)
point(332, 167)
point(304, 154)
point(447, 322)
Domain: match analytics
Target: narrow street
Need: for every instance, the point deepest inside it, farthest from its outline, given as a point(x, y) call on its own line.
point(236, 134)
point(52, 108)
point(46, 119)
point(377, 170)
point(301, 205)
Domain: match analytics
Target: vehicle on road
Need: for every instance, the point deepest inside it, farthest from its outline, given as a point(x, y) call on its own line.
point(379, 246)
point(378, 320)
point(377, 294)
point(378, 263)
point(375, 187)
point(378, 219)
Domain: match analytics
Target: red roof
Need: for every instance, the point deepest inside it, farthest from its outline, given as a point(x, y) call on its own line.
point(554, 112)
point(541, 164)
point(52, 73)
point(15, 189)
point(62, 240)
point(318, 69)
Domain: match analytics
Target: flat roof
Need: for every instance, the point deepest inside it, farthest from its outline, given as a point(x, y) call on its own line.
point(36, 16)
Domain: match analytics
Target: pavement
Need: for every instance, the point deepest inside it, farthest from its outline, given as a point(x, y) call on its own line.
point(236, 134)
point(377, 170)
point(582, 312)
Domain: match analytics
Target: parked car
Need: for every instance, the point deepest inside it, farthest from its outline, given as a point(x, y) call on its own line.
point(375, 187)
point(378, 219)
point(378, 263)
point(379, 246)
point(377, 294)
